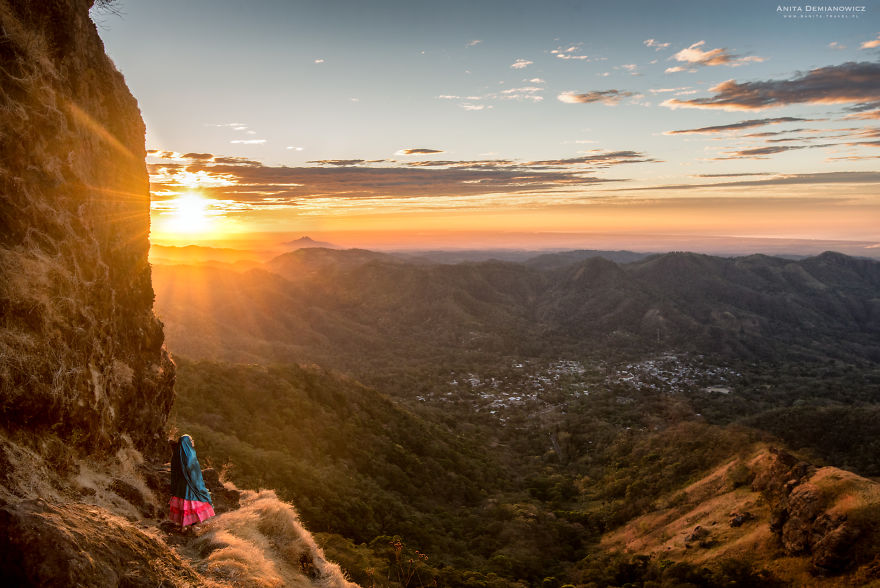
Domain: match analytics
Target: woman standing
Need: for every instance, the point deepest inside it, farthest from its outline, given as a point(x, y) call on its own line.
point(190, 500)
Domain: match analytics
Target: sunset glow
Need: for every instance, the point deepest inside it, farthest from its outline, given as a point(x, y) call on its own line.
point(190, 214)
point(572, 118)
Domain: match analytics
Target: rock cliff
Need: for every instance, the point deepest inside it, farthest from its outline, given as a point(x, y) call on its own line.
point(826, 514)
point(82, 363)
point(85, 382)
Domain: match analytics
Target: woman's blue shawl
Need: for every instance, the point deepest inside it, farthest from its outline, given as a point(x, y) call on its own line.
point(186, 475)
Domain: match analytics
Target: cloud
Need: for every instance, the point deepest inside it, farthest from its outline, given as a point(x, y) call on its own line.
point(248, 141)
point(236, 161)
point(694, 54)
point(697, 56)
point(852, 158)
point(608, 97)
point(837, 46)
point(271, 186)
point(632, 68)
point(572, 52)
point(254, 185)
point(678, 68)
point(476, 164)
point(745, 124)
point(868, 115)
point(198, 156)
point(788, 179)
point(474, 43)
point(419, 151)
point(537, 81)
point(815, 134)
point(835, 84)
point(319, 61)
point(235, 125)
point(521, 64)
point(524, 93)
point(864, 111)
point(869, 133)
point(665, 90)
point(734, 175)
point(763, 152)
point(872, 44)
point(759, 151)
point(338, 162)
point(655, 44)
point(530, 93)
point(164, 154)
point(596, 158)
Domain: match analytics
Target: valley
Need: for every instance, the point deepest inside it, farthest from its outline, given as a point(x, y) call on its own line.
point(556, 434)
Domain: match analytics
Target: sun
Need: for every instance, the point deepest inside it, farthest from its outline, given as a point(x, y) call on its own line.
point(190, 218)
point(189, 214)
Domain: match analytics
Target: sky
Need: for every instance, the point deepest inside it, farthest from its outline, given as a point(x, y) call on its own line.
point(409, 119)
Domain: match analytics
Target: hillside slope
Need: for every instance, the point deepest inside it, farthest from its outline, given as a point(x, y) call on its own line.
point(805, 524)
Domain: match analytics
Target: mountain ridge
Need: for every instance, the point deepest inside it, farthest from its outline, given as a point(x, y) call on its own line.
point(738, 307)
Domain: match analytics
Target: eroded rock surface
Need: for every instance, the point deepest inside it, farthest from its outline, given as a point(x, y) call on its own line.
point(817, 516)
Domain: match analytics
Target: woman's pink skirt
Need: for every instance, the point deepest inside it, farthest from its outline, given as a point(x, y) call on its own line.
point(188, 512)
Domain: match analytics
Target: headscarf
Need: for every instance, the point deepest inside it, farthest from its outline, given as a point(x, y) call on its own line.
point(186, 474)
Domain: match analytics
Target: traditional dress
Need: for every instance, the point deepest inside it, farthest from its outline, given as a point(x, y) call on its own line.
point(190, 500)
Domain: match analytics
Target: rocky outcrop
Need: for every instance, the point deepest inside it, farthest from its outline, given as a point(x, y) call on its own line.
point(60, 545)
point(819, 513)
point(81, 353)
point(811, 526)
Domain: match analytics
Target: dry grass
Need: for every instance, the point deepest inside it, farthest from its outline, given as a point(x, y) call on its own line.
point(709, 503)
point(24, 473)
point(264, 545)
point(261, 545)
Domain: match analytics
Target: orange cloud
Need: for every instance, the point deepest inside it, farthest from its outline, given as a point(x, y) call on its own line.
point(745, 124)
point(836, 84)
point(607, 97)
point(697, 56)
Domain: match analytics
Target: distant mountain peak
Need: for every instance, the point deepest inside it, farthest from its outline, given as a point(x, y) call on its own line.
point(306, 242)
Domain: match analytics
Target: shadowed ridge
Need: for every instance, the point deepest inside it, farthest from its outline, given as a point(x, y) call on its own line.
point(310, 262)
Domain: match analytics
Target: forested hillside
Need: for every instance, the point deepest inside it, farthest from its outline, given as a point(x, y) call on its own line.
point(520, 493)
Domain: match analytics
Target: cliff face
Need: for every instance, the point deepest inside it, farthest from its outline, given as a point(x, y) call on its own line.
point(82, 364)
point(85, 382)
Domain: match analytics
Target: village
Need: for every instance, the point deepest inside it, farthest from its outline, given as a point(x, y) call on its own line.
point(540, 386)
